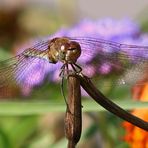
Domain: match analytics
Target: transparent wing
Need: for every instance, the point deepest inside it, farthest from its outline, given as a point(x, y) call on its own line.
point(27, 68)
point(105, 57)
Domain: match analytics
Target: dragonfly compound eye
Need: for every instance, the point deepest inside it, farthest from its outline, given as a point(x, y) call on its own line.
point(73, 52)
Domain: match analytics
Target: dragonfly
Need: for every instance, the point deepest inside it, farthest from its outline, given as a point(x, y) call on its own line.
point(78, 55)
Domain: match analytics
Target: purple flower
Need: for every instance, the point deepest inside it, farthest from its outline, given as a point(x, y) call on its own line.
point(124, 31)
point(105, 68)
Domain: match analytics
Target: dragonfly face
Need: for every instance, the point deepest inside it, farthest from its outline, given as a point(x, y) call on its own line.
point(64, 50)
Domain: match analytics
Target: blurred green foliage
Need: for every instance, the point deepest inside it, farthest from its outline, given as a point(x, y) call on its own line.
point(21, 124)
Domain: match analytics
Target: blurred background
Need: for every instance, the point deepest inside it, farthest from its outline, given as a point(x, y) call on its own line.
point(24, 20)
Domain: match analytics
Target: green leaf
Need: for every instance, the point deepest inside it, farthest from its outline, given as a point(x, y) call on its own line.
point(38, 108)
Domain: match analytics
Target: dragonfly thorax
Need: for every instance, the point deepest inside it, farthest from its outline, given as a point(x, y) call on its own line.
point(64, 50)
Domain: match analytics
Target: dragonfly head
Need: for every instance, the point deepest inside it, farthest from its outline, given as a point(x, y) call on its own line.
point(64, 50)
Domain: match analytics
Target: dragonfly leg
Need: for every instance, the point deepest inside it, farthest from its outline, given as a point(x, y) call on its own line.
point(67, 70)
point(63, 93)
point(76, 68)
point(63, 74)
point(62, 71)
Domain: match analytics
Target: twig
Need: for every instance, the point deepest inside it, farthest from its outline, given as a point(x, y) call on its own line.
point(73, 117)
point(109, 105)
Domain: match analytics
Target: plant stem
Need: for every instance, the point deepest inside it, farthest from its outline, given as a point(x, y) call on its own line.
point(109, 105)
point(73, 117)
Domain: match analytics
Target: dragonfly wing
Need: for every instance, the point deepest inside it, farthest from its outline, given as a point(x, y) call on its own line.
point(109, 57)
point(27, 68)
point(135, 74)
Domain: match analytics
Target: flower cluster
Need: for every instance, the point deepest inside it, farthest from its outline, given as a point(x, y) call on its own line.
point(123, 31)
point(109, 29)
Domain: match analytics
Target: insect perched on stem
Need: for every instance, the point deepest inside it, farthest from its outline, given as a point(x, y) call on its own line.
point(90, 55)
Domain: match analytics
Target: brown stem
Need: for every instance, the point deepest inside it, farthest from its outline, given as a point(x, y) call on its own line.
point(109, 105)
point(73, 117)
